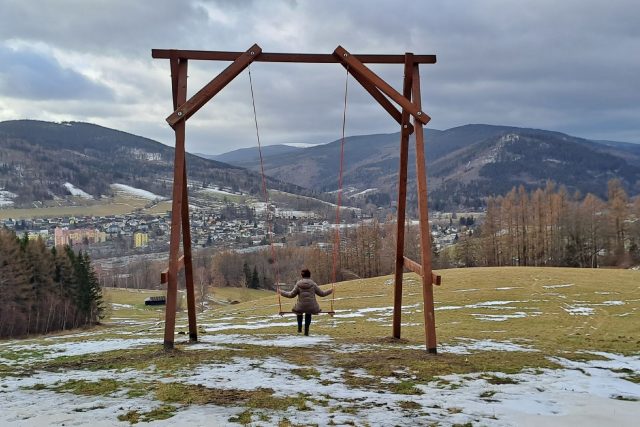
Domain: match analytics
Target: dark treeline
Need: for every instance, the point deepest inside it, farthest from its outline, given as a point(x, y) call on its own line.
point(45, 290)
point(550, 227)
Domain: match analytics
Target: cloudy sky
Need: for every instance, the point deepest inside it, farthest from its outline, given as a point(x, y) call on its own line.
point(566, 65)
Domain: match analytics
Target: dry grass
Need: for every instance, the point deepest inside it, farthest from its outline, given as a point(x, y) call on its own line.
point(118, 205)
point(538, 308)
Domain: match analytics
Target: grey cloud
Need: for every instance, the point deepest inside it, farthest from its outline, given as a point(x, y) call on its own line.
point(31, 75)
point(565, 65)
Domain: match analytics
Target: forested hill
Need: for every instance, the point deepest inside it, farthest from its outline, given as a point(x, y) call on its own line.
point(466, 163)
point(37, 158)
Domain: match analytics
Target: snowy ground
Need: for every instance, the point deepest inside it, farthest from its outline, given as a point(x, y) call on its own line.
point(591, 393)
point(136, 192)
point(332, 378)
point(6, 198)
point(218, 191)
point(75, 191)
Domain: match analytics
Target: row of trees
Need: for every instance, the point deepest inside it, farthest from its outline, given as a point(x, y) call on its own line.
point(366, 250)
point(551, 227)
point(43, 289)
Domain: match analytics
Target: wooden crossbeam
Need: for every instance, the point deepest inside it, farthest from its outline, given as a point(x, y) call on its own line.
point(413, 266)
point(417, 268)
point(311, 58)
point(164, 275)
point(355, 64)
point(189, 108)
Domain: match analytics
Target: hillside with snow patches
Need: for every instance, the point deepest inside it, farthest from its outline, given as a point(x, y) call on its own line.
point(465, 163)
point(517, 346)
point(54, 164)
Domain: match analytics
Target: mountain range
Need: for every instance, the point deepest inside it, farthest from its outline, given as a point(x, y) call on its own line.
point(465, 164)
point(38, 158)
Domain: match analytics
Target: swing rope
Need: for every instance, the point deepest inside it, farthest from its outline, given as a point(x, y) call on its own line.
point(265, 194)
point(336, 242)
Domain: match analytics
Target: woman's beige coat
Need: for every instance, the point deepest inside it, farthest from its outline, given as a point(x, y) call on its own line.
point(306, 291)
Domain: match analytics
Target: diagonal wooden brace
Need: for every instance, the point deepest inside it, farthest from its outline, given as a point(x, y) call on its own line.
point(356, 66)
point(189, 108)
point(164, 275)
point(379, 96)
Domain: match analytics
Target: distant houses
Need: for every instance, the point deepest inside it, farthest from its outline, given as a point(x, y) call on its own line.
point(140, 239)
point(64, 236)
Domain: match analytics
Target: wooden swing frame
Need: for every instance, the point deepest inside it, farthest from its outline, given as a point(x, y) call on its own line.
point(410, 104)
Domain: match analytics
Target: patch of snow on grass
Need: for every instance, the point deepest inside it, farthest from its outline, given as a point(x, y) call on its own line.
point(6, 198)
point(218, 191)
point(500, 317)
point(136, 192)
point(53, 351)
point(557, 286)
point(117, 306)
point(491, 304)
point(275, 341)
point(578, 310)
point(75, 191)
point(468, 346)
point(28, 407)
point(449, 307)
point(508, 288)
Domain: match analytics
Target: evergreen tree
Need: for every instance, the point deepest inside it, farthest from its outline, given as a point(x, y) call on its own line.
point(255, 279)
point(247, 274)
point(13, 278)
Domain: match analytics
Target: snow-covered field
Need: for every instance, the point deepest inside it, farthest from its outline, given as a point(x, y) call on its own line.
point(6, 198)
point(251, 368)
point(136, 192)
point(75, 191)
point(218, 191)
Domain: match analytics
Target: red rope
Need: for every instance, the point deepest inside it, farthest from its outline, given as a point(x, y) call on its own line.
point(336, 242)
point(266, 197)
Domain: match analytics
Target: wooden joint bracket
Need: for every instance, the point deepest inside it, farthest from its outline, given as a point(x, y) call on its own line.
point(410, 264)
point(204, 95)
point(164, 276)
point(366, 74)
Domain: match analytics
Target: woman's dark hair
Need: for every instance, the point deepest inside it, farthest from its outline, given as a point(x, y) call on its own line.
point(305, 273)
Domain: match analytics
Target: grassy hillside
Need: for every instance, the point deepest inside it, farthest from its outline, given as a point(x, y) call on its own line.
point(516, 345)
point(118, 205)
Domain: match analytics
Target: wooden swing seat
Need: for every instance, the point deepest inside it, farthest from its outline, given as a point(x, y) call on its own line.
point(330, 313)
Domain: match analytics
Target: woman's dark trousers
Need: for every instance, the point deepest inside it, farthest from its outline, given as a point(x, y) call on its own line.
point(307, 322)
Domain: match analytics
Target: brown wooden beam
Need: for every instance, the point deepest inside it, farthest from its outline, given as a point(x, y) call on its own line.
point(412, 265)
point(285, 57)
point(425, 235)
point(180, 90)
point(188, 262)
point(402, 201)
point(164, 275)
point(189, 108)
point(356, 65)
point(379, 96)
point(417, 268)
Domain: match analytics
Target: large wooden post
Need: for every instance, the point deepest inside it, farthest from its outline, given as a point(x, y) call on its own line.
point(402, 198)
point(425, 231)
point(179, 86)
point(188, 261)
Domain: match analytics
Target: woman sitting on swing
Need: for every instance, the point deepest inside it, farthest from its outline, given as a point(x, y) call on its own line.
point(306, 291)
